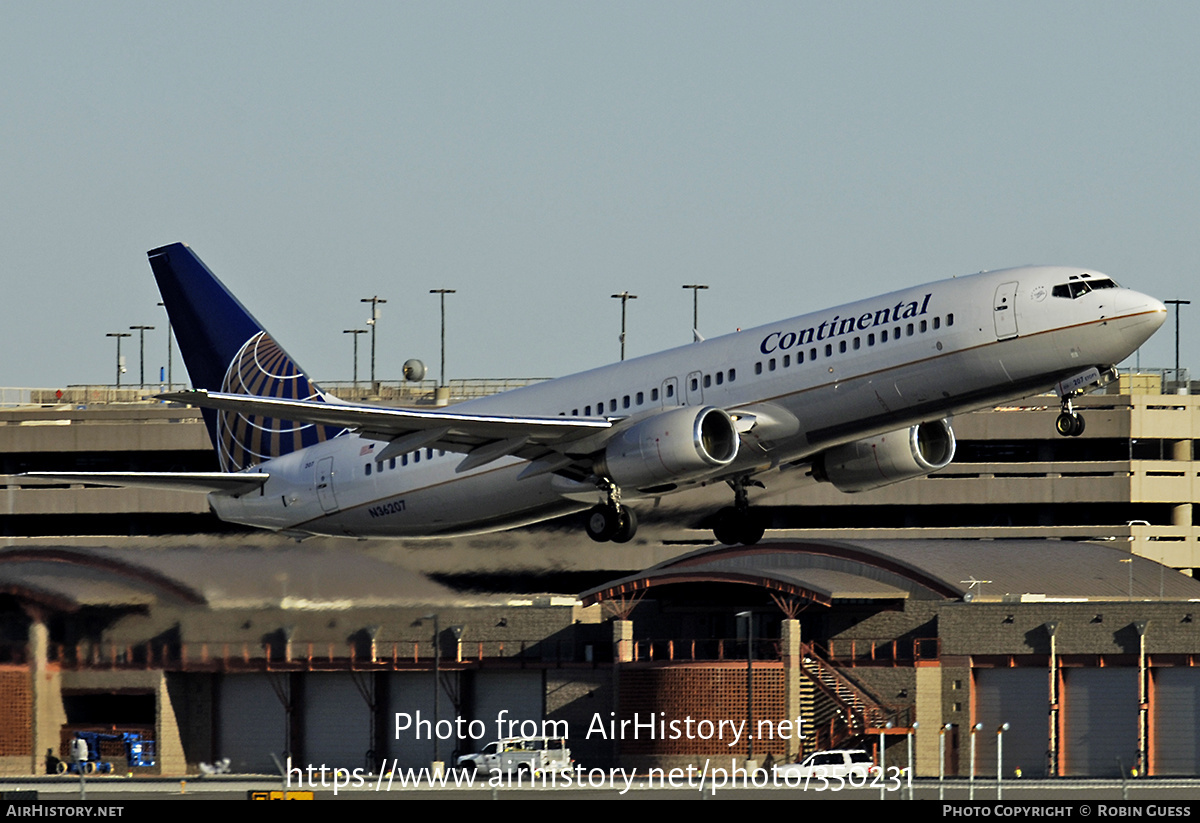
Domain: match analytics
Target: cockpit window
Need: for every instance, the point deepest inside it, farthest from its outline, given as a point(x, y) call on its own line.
point(1078, 288)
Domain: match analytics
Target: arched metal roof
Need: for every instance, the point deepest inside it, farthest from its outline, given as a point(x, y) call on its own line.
point(823, 571)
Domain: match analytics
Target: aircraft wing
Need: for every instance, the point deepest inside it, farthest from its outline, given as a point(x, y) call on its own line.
point(484, 438)
point(239, 483)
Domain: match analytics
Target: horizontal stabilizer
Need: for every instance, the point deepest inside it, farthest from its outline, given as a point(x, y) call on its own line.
point(221, 482)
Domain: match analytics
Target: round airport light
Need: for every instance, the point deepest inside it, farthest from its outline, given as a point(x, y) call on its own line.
point(414, 370)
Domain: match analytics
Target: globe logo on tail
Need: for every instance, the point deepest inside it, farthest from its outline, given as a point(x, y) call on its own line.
point(263, 369)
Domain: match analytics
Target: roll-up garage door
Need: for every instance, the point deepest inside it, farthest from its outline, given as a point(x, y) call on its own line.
point(1020, 698)
point(507, 696)
point(1099, 710)
point(337, 721)
point(251, 721)
point(412, 694)
point(1175, 723)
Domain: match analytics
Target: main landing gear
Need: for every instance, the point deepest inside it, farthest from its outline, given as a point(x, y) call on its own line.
point(1070, 422)
point(610, 520)
point(738, 523)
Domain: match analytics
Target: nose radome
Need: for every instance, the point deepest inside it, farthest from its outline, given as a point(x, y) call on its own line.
point(1156, 309)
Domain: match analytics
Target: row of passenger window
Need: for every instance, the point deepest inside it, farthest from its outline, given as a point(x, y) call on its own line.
point(857, 342)
point(404, 459)
point(632, 401)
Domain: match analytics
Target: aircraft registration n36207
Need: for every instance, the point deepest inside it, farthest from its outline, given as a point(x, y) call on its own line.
point(861, 394)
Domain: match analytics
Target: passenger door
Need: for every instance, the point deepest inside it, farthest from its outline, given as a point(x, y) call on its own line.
point(1004, 310)
point(323, 481)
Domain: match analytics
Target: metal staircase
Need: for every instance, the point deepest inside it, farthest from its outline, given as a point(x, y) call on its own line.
point(833, 707)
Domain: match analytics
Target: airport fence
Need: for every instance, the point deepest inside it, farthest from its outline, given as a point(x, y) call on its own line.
point(874, 652)
point(251, 657)
point(425, 392)
point(419, 654)
point(396, 392)
point(84, 395)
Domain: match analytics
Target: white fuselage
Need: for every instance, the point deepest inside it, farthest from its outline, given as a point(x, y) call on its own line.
point(813, 382)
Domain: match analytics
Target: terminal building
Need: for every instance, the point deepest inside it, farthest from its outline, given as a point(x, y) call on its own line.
point(1048, 588)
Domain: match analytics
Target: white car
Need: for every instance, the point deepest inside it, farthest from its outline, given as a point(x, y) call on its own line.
point(836, 763)
point(529, 755)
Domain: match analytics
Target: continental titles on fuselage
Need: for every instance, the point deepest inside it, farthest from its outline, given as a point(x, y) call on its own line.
point(828, 329)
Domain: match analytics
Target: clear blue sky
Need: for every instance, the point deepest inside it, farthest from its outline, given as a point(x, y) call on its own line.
point(538, 157)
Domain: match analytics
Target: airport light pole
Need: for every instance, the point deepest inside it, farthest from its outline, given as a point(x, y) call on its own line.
point(443, 293)
point(374, 300)
point(942, 759)
point(883, 759)
point(1000, 730)
point(974, 733)
point(749, 617)
point(437, 681)
point(1177, 304)
point(911, 763)
point(119, 335)
point(141, 330)
point(696, 288)
point(624, 297)
point(356, 333)
point(169, 347)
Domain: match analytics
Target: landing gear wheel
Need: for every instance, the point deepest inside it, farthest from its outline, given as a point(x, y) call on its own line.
point(1065, 424)
point(725, 529)
point(627, 527)
point(603, 523)
point(752, 528)
point(734, 527)
point(1069, 424)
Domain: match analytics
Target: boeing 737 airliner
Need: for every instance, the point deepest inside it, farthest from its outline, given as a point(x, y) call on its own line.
point(861, 393)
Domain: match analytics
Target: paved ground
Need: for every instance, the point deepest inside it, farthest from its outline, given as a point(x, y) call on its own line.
point(1100, 793)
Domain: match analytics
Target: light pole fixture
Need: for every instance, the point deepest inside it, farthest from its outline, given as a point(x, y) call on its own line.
point(942, 732)
point(1129, 560)
point(356, 333)
point(696, 288)
point(443, 293)
point(119, 335)
point(374, 300)
point(437, 681)
point(170, 347)
point(141, 330)
point(1177, 304)
point(624, 297)
point(1000, 730)
point(912, 730)
point(978, 727)
point(883, 759)
point(749, 617)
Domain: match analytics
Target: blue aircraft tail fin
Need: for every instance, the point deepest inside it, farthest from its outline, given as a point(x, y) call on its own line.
point(227, 350)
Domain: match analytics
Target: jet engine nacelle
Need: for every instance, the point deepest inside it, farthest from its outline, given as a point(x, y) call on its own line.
point(673, 446)
point(887, 458)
